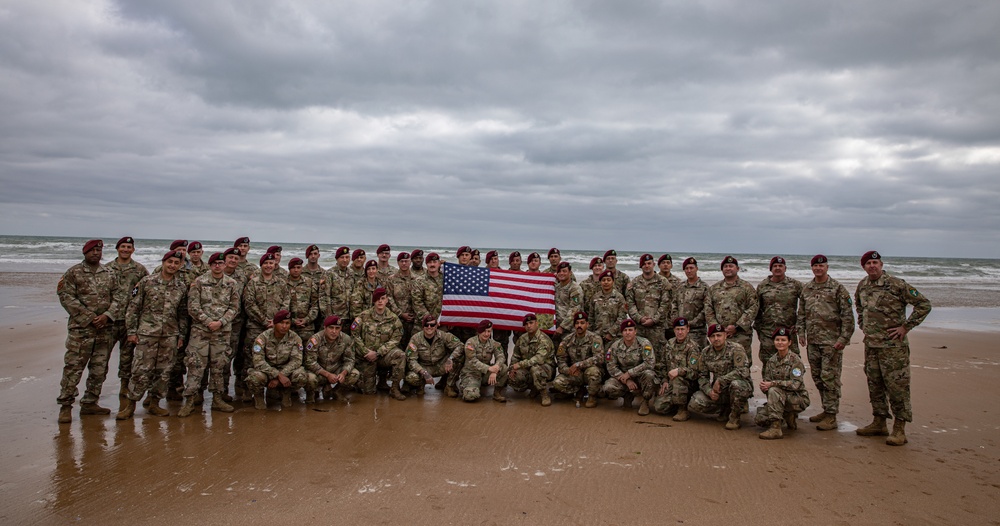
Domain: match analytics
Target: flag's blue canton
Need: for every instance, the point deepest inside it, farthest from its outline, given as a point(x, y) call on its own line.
point(468, 281)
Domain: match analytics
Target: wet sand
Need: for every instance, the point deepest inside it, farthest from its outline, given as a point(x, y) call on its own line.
point(437, 460)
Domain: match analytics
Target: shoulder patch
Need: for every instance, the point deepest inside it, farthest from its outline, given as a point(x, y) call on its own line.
point(647, 350)
point(850, 301)
point(257, 347)
point(311, 344)
point(913, 292)
point(61, 284)
point(597, 345)
point(135, 290)
point(693, 360)
point(796, 372)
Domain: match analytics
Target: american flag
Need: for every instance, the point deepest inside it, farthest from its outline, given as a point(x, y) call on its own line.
point(472, 294)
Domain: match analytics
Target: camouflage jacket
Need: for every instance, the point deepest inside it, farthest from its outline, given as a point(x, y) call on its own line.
point(387, 272)
point(608, 311)
point(675, 282)
point(421, 351)
point(241, 285)
point(272, 356)
point(621, 282)
point(882, 305)
point(725, 365)
point(825, 315)
point(198, 271)
point(777, 304)
point(583, 351)
point(787, 373)
point(87, 293)
point(689, 301)
point(158, 308)
point(531, 350)
point(376, 332)
point(401, 291)
point(589, 286)
point(211, 299)
point(332, 356)
point(651, 297)
point(734, 304)
point(682, 356)
point(129, 273)
point(317, 275)
point(335, 296)
point(427, 294)
point(361, 295)
point(632, 359)
point(480, 355)
point(569, 300)
point(303, 300)
point(262, 299)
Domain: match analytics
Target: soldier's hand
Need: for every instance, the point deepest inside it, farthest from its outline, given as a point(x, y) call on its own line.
point(371, 356)
point(839, 346)
point(272, 384)
point(559, 330)
point(494, 369)
point(646, 321)
point(673, 373)
point(764, 386)
point(270, 324)
point(428, 379)
point(407, 317)
point(285, 382)
point(101, 321)
point(301, 322)
point(515, 367)
point(492, 379)
point(330, 377)
point(730, 330)
point(663, 388)
point(631, 385)
point(448, 366)
point(897, 333)
point(215, 325)
point(132, 339)
point(574, 370)
point(180, 343)
point(802, 341)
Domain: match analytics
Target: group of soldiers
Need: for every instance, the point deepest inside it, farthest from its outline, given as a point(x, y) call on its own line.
point(676, 344)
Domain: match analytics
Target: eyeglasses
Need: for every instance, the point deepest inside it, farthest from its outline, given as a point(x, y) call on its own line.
point(430, 325)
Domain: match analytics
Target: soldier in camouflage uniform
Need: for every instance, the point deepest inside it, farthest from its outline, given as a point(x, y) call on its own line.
point(329, 361)
point(592, 284)
point(732, 303)
point(677, 373)
point(555, 258)
point(433, 352)
point(198, 267)
point(185, 274)
point(881, 301)
point(485, 364)
point(666, 263)
point(248, 268)
point(784, 384)
point(514, 261)
point(608, 309)
point(361, 294)
point(376, 333)
point(825, 327)
point(569, 300)
point(92, 296)
point(303, 300)
point(358, 265)
point(630, 364)
point(238, 332)
point(264, 296)
point(277, 362)
point(689, 301)
point(279, 271)
point(175, 382)
point(335, 295)
point(385, 270)
point(157, 322)
point(611, 264)
point(400, 289)
point(532, 366)
point(129, 272)
point(428, 292)
point(777, 301)
point(342, 267)
point(723, 379)
point(580, 361)
point(650, 302)
point(317, 274)
point(213, 304)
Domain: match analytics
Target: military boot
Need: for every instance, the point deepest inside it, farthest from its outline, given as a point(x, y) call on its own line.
point(239, 392)
point(723, 415)
point(187, 407)
point(898, 436)
point(395, 392)
point(65, 414)
point(819, 417)
point(875, 429)
point(127, 411)
point(627, 401)
point(310, 396)
point(682, 415)
point(450, 392)
point(93, 409)
point(643, 407)
point(773, 432)
point(591, 401)
point(123, 396)
point(173, 394)
point(155, 409)
point(259, 402)
point(546, 398)
point(790, 420)
point(827, 424)
point(199, 398)
point(734, 419)
point(219, 404)
point(498, 395)
point(286, 398)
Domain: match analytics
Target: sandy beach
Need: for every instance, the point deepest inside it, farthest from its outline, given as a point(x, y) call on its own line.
point(374, 460)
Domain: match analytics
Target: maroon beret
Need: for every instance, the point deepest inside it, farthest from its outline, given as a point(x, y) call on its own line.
point(416, 254)
point(714, 328)
point(294, 262)
point(606, 274)
point(870, 255)
point(553, 251)
point(462, 250)
point(781, 331)
point(194, 245)
point(514, 254)
point(563, 264)
point(341, 251)
point(332, 319)
point(580, 315)
point(627, 322)
point(268, 256)
point(178, 243)
point(817, 259)
point(383, 248)
point(492, 254)
point(534, 255)
point(475, 252)
point(433, 256)
point(689, 261)
point(371, 263)
point(231, 250)
point(310, 248)
point(240, 240)
point(401, 256)
point(281, 316)
point(595, 261)
point(273, 249)
point(680, 322)
point(357, 254)
point(610, 253)
point(172, 254)
point(218, 256)
point(729, 260)
point(777, 260)
point(428, 318)
point(528, 317)
point(483, 325)
point(644, 258)
point(124, 240)
point(378, 293)
point(92, 244)
point(664, 257)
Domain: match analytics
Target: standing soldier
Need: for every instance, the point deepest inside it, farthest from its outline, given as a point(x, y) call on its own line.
point(531, 365)
point(312, 269)
point(198, 267)
point(329, 361)
point(608, 309)
point(881, 301)
point(342, 267)
point(650, 302)
point(677, 372)
point(157, 322)
point(302, 300)
point(401, 290)
point(569, 299)
point(784, 384)
point(358, 260)
point(237, 333)
point(464, 255)
point(335, 291)
point(265, 295)
point(129, 272)
point(611, 263)
point(180, 245)
point(385, 270)
point(514, 261)
point(213, 304)
point(428, 292)
point(534, 262)
point(666, 264)
point(732, 303)
point(417, 263)
point(592, 284)
point(690, 302)
point(825, 327)
point(243, 245)
point(630, 363)
point(376, 334)
point(723, 379)
point(280, 272)
point(277, 361)
point(361, 296)
point(555, 258)
point(91, 295)
point(432, 352)
point(485, 364)
point(777, 300)
point(580, 360)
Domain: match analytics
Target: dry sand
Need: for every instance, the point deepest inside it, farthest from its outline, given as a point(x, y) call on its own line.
point(438, 460)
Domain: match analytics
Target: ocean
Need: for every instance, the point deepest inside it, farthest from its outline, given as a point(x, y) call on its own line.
point(965, 292)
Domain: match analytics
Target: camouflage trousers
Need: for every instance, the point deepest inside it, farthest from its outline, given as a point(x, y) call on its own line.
point(235, 354)
point(745, 339)
point(888, 372)
point(394, 360)
point(317, 381)
point(646, 383)
point(826, 365)
point(209, 351)
point(175, 379)
point(125, 350)
point(592, 377)
point(414, 379)
point(154, 358)
point(536, 377)
point(734, 395)
point(767, 350)
point(245, 359)
point(699, 337)
point(779, 402)
point(654, 334)
point(258, 380)
point(471, 382)
point(677, 394)
point(89, 349)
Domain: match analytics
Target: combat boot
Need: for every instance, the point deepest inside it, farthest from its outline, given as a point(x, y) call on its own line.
point(450, 392)
point(419, 391)
point(643, 407)
point(93, 409)
point(310, 396)
point(331, 393)
point(65, 414)
point(155, 409)
point(723, 415)
point(682, 415)
point(219, 404)
point(734, 419)
point(442, 383)
point(286, 398)
point(259, 402)
point(591, 401)
point(790, 420)
point(498, 395)
point(199, 398)
point(828, 424)
point(239, 392)
point(173, 394)
point(627, 401)
point(773, 432)
point(123, 396)
point(546, 399)
point(187, 407)
point(819, 417)
point(127, 411)
point(395, 392)
point(898, 436)
point(875, 429)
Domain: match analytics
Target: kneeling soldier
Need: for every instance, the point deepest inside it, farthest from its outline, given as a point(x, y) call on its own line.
point(677, 371)
point(629, 359)
point(432, 352)
point(277, 361)
point(786, 392)
point(329, 361)
point(531, 366)
point(580, 358)
point(723, 379)
point(480, 352)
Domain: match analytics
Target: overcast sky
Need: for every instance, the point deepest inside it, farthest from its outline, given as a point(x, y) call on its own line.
point(723, 126)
